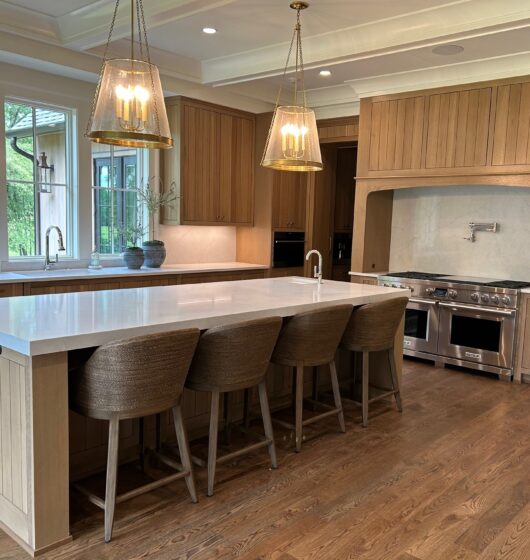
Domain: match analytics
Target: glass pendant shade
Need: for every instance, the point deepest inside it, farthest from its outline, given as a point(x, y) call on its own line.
point(293, 143)
point(130, 109)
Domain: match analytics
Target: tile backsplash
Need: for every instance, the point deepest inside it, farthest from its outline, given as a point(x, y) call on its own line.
point(429, 225)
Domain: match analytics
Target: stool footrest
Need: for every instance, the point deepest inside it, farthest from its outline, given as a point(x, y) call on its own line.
point(331, 412)
point(245, 450)
point(372, 399)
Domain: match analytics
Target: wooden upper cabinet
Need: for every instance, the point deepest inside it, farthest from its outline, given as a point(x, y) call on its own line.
point(396, 134)
point(212, 164)
point(457, 128)
point(343, 129)
point(289, 197)
point(511, 144)
point(236, 155)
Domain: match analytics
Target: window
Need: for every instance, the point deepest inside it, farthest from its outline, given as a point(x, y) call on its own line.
point(118, 215)
point(38, 144)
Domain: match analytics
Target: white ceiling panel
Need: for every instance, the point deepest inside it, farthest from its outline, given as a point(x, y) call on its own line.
point(54, 8)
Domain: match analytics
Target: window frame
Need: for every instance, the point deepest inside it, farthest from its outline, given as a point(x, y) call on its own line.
point(70, 185)
point(142, 171)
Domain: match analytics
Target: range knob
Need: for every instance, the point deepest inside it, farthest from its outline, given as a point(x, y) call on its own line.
point(485, 298)
point(506, 300)
point(452, 294)
point(429, 291)
point(475, 296)
point(495, 299)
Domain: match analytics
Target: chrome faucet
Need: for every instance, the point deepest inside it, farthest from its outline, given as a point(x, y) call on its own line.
point(317, 271)
point(48, 263)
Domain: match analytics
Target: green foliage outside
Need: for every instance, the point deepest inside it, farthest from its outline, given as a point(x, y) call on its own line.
point(20, 197)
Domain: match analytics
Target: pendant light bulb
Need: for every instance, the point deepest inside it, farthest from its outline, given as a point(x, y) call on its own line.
point(129, 108)
point(293, 144)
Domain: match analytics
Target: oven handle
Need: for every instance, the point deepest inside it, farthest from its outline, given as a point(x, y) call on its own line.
point(457, 306)
point(425, 301)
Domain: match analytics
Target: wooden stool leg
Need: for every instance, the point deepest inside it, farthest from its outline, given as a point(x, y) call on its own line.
point(395, 380)
point(299, 408)
point(141, 429)
point(336, 394)
point(112, 472)
point(366, 386)
point(212, 443)
point(267, 423)
point(227, 418)
point(184, 451)
point(315, 384)
point(246, 408)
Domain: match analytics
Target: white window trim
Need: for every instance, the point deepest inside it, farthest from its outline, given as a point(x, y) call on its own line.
point(71, 162)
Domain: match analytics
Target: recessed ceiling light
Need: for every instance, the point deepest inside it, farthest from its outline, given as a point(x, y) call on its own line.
point(325, 73)
point(447, 49)
point(209, 30)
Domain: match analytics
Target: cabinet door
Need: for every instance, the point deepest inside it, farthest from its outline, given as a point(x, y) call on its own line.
point(200, 165)
point(345, 189)
point(236, 175)
point(170, 164)
point(8, 290)
point(289, 200)
point(396, 134)
point(458, 128)
point(511, 142)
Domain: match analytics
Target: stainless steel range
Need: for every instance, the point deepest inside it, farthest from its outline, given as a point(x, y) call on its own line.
point(458, 320)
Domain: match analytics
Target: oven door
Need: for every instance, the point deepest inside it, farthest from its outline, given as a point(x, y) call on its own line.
point(483, 335)
point(421, 326)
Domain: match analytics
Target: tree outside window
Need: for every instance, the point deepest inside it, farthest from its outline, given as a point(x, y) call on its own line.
point(38, 176)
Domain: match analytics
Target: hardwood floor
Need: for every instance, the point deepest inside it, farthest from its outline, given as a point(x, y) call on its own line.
point(447, 479)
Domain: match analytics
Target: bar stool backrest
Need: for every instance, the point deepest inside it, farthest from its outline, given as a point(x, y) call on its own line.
point(234, 357)
point(311, 338)
point(134, 377)
point(373, 327)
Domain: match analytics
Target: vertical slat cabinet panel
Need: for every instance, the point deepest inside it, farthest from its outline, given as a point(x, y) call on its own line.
point(200, 181)
point(170, 165)
point(457, 129)
point(511, 143)
point(396, 135)
point(236, 158)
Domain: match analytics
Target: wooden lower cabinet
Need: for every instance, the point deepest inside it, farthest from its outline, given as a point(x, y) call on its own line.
point(340, 272)
point(10, 290)
point(522, 355)
point(362, 279)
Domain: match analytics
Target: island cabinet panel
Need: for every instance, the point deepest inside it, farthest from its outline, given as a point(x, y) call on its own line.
point(211, 165)
point(9, 290)
point(396, 133)
point(289, 200)
point(457, 128)
point(511, 144)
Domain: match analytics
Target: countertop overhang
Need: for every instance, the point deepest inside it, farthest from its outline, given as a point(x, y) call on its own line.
point(45, 324)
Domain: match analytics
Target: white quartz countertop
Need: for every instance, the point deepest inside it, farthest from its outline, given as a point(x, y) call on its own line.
point(34, 325)
point(367, 274)
point(122, 271)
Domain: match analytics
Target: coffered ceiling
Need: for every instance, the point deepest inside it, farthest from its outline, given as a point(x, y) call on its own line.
point(370, 46)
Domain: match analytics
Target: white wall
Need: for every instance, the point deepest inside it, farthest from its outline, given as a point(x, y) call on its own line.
point(429, 226)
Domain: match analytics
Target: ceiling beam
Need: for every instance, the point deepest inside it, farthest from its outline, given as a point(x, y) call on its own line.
point(88, 27)
point(451, 22)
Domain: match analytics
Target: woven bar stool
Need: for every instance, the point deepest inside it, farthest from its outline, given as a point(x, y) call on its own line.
point(311, 339)
point(231, 358)
point(132, 379)
point(373, 328)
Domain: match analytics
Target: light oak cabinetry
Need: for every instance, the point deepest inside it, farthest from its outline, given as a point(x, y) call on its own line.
point(343, 129)
point(472, 134)
point(212, 164)
point(289, 193)
point(9, 290)
point(522, 356)
point(363, 279)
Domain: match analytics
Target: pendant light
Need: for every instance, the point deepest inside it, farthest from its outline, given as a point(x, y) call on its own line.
point(128, 108)
point(292, 144)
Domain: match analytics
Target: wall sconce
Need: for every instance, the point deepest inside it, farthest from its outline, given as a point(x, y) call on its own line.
point(45, 173)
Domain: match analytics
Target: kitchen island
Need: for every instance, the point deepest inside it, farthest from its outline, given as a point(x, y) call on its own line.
point(37, 333)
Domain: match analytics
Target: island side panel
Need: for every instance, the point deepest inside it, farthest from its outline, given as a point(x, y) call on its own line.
point(50, 457)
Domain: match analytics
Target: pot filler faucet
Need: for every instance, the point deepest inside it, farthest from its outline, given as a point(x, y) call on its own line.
point(48, 263)
point(317, 271)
